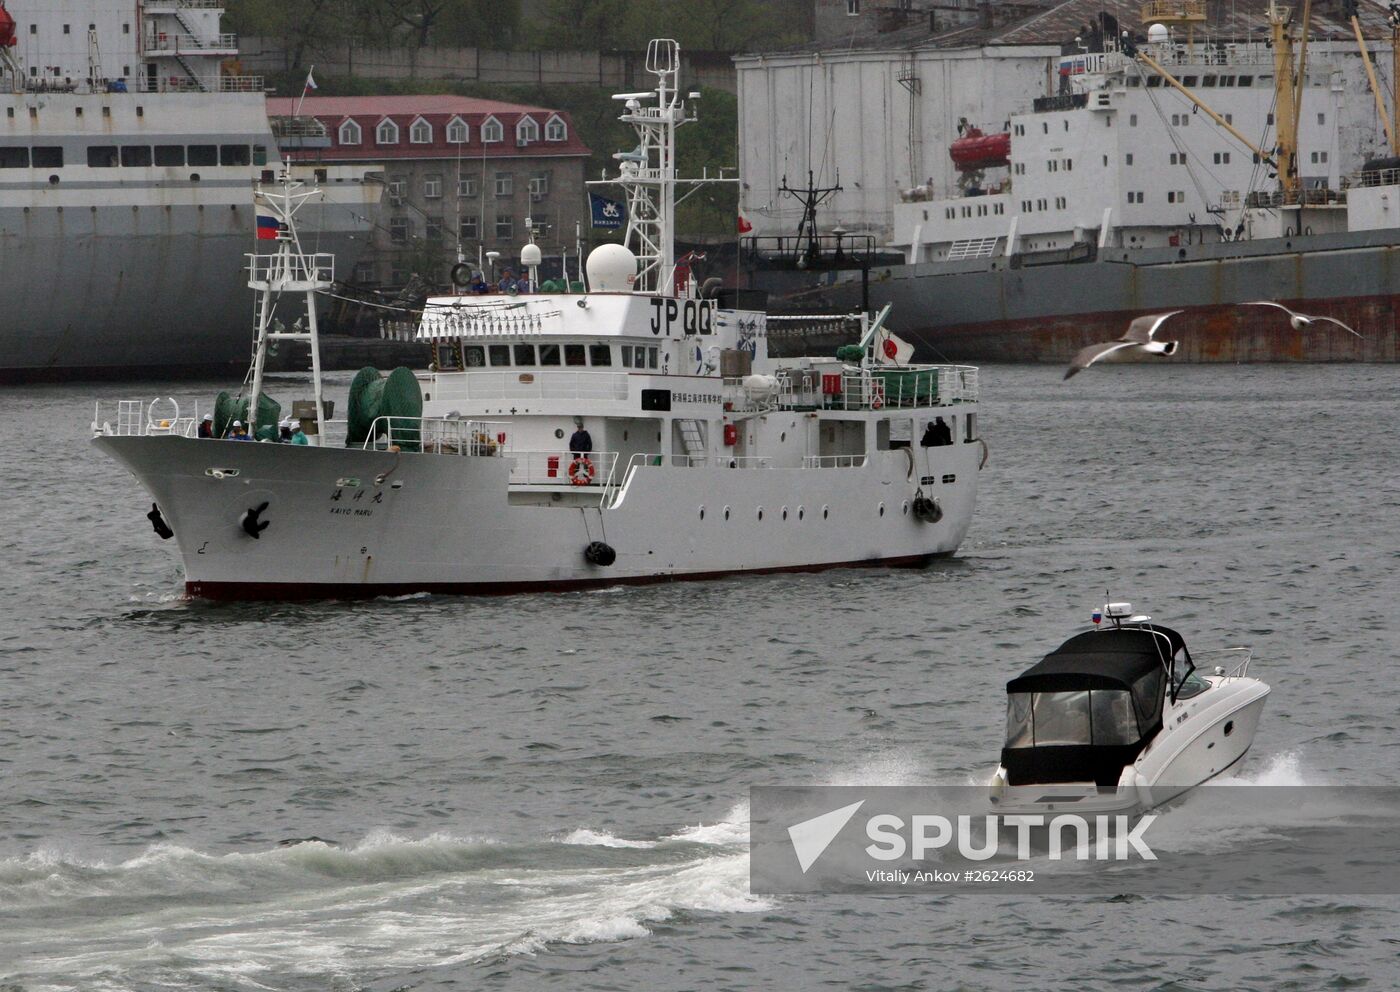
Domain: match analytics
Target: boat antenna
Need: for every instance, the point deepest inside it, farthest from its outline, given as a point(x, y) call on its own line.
point(807, 247)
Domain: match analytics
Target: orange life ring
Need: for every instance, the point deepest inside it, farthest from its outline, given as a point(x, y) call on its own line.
point(581, 472)
point(877, 401)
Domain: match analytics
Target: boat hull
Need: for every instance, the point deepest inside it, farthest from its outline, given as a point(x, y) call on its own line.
point(355, 523)
point(1009, 310)
point(155, 290)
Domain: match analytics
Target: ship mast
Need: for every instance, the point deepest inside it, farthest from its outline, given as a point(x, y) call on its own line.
point(288, 270)
point(1285, 83)
point(648, 174)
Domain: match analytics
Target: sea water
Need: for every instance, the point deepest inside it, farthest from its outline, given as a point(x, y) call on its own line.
point(550, 791)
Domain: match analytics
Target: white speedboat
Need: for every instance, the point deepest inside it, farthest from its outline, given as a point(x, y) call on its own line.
point(1120, 719)
point(638, 431)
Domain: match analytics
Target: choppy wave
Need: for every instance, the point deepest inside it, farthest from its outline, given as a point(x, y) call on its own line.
point(386, 902)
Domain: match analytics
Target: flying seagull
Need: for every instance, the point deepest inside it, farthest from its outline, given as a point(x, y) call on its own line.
point(1138, 336)
point(1301, 320)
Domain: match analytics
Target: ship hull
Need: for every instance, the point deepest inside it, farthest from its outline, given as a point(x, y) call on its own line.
point(353, 523)
point(999, 311)
point(115, 292)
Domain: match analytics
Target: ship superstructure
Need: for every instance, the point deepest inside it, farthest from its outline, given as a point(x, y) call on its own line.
point(636, 432)
point(1169, 170)
point(128, 156)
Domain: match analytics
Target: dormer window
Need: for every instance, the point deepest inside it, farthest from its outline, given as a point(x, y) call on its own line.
point(420, 132)
point(527, 131)
point(491, 131)
point(387, 133)
point(457, 131)
point(556, 129)
point(350, 133)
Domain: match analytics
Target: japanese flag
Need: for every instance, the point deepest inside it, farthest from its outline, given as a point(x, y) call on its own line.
point(890, 349)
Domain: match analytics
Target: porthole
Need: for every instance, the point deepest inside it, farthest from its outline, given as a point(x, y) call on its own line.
point(726, 513)
point(559, 433)
point(904, 508)
point(760, 513)
point(801, 513)
point(1229, 727)
point(784, 513)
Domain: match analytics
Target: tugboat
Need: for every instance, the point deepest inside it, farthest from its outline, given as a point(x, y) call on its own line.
point(638, 431)
point(1119, 719)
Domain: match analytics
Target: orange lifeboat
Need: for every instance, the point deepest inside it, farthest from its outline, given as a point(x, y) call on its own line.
point(976, 150)
point(7, 28)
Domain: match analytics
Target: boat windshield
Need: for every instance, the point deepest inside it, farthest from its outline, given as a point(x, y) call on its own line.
point(1089, 716)
point(1188, 682)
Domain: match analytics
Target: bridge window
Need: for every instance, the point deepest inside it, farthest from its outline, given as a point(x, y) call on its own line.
point(574, 355)
point(47, 156)
point(136, 156)
point(499, 354)
point(170, 155)
point(102, 156)
point(14, 158)
point(203, 155)
point(524, 354)
point(599, 355)
point(549, 354)
point(475, 356)
point(235, 155)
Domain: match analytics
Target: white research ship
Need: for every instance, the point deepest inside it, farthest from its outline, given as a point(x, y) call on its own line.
point(129, 151)
point(709, 458)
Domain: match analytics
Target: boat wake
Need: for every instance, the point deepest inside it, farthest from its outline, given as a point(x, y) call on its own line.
point(173, 917)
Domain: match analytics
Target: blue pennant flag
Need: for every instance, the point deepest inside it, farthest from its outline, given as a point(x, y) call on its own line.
point(606, 213)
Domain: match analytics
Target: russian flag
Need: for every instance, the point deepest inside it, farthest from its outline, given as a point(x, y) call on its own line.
point(268, 227)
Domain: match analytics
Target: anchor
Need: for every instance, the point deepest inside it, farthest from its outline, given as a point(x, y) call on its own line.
point(158, 523)
point(250, 523)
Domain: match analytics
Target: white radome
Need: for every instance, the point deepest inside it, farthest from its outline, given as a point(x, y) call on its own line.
point(1158, 34)
point(531, 255)
point(611, 269)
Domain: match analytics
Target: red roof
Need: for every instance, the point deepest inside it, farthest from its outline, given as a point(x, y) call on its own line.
point(439, 111)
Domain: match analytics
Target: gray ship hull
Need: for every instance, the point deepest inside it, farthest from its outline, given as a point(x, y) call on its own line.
point(115, 291)
point(1043, 309)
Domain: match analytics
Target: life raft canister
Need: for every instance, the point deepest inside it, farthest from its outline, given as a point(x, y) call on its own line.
point(581, 472)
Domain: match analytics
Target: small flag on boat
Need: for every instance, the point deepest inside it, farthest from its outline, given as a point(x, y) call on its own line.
point(1097, 616)
point(744, 226)
point(606, 213)
point(891, 349)
point(310, 82)
point(268, 224)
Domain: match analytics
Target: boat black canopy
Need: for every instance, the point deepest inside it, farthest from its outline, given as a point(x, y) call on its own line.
point(1114, 658)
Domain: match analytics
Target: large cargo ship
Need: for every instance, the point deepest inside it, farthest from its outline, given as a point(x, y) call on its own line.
point(129, 151)
point(1165, 174)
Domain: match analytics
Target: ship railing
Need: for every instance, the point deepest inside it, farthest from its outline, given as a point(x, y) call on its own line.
point(1376, 177)
point(1307, 196)
point(562, 468)
point(164, 6)
point(834, 461)
point(160, 417)
point(191, 44)
point(1220, 658)
point(208, 84)
point(900, 387)
point(319, 267)
point(439, 436)
point(515, 384)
